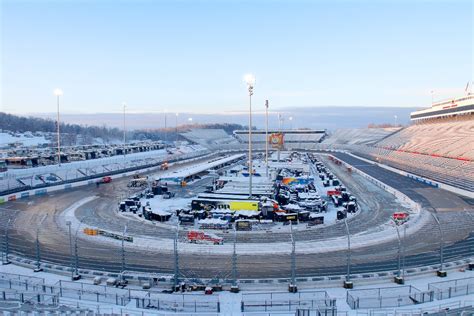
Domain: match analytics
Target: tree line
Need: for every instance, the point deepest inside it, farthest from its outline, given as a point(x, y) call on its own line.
point(22, 124)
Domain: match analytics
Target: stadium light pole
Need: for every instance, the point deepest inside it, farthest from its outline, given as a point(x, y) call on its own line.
point(266, 136)
point(250, 81)
point(291, 122)
point(123, 252)
point(58, 92)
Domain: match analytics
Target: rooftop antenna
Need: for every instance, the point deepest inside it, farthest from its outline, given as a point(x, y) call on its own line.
point(468, 88)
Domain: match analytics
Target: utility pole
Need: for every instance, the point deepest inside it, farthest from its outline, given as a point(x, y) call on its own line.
point(38, 252)
point(123, 252)
point(176, 259)
point(6, 248)
point(58, 93)
point(235, 287)
point(292, 288)
point(76, 275)
point(348, 283)
point(266, 136)
point(399, 279)
point(405, 226)
point(441, 272)
point(68, 223)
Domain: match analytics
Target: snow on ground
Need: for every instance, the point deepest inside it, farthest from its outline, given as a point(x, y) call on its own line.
point(380, 234)
point(168, 205)
point(333, 244)
point(230, 303)
point(6, 139)
point(194, 169)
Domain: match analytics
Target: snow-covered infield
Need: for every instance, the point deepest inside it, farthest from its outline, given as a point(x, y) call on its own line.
point(380, 234)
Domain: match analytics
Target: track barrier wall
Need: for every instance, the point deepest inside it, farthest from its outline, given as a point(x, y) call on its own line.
point(92, 179)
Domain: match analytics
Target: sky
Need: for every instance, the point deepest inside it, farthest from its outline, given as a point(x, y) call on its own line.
point(190, 56)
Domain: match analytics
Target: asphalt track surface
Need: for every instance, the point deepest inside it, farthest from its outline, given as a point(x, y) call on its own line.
point(421, 248)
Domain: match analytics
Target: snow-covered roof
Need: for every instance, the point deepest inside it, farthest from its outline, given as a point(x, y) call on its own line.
point(212, 221)
point(160, 212)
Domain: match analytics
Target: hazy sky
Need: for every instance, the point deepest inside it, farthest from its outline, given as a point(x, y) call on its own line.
point(191, 55)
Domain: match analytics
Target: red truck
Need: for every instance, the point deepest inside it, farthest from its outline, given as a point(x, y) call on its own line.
point(197, 236)
point(106, 179)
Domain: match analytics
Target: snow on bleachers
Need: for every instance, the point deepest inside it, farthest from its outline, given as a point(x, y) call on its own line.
point(209, 137)
point(451, 138)
point(356, 136)
point(454, 172)
point(441, 149)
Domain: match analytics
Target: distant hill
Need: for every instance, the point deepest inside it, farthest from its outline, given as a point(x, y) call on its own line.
point(310, 117)
point(21, 124)
point(89, 132)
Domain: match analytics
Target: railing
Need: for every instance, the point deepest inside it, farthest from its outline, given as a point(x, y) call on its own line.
point(387, 297)
point(452, 288)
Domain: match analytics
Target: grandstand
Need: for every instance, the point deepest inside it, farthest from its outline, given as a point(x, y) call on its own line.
point(444, 137)
point(15, 180)
point(210, 138)
point(359, 136)
point(436, 146)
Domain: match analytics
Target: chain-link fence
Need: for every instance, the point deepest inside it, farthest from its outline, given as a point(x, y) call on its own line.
point(452, 288)
point(387, 297)
point(290, 302)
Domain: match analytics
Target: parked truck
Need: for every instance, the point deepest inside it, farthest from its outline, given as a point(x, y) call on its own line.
point(197, 236)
